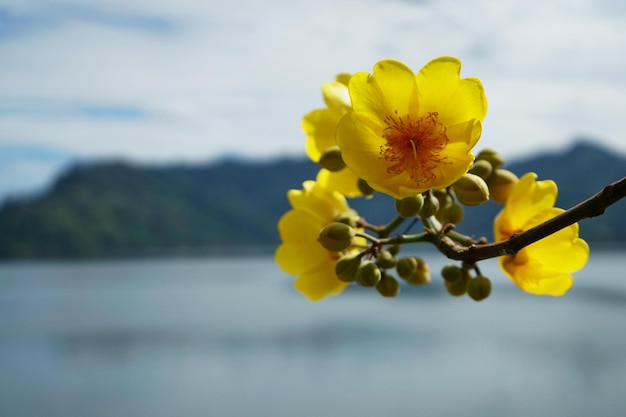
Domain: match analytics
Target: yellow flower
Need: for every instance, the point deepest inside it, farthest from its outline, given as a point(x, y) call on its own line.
point(300, 253)
point(320, 127)
point(543, 267)
point(409, 133)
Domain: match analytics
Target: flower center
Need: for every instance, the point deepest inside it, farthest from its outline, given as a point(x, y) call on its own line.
point(414, 146)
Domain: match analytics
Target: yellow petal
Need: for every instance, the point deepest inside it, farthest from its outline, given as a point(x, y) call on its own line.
point(344, 181)
point(442, 90)
point(297, 258)
point(336, 95)
point(390, 88)
point(320, 127)
point(528, 199)
point(323, 205)
point(298, 225)
point(320, 282)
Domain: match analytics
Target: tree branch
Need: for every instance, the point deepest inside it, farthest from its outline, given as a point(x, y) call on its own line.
point(591, 207)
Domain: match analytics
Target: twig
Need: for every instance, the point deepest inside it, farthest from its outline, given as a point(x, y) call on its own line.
point(591, 207)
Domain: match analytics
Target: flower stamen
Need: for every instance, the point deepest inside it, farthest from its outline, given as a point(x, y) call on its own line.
point(414, 146)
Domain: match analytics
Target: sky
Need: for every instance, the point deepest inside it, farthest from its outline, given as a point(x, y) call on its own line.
point(158, 81)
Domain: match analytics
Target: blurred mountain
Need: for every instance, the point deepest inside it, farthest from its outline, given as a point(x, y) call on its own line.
point(109, 209)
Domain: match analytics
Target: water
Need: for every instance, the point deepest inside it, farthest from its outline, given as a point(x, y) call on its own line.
point(230, 337)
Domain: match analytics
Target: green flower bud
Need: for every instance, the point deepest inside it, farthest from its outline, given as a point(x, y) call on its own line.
point(336, 237)
point(386, 260)
point(471, 190)
point(451, 273)
point(479, 288)
point(490, 156)
point(430, 207)
point(347, 266)
point(365, 188)
point(394, 249)
point(459, 288)
point(368, 274)
point(451, 214)
point(443, 197)
point(482, 168)
point(421, 273)
point(410, 206)
point(388, 286)
point(406, 267)
point(500, 183)
point(331, 159)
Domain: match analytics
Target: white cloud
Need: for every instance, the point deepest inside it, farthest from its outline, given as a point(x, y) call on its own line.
point(236, 77)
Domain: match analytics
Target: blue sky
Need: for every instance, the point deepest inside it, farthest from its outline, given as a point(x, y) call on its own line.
point(161, 81)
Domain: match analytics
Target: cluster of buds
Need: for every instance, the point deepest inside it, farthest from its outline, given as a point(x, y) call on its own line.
point(459, 281)
point(374, 260)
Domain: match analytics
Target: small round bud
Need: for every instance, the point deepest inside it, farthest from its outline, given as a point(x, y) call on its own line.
point(388, 286)
point(459, 288)
point(365, 188)
point(451, 273)
point(394, 249)
point(443, 197)
point(479, 288)
point(386, 260)
point(452, 214)
point(491, 156)
point(482, 168)
point(336, 237)
point(471, 190)
point(430, 207)
point(347, 266)
point(421, 274)
point(331, 159)
point(406, 267)
point(410, 206)
point(368, 274)
point(500, 183)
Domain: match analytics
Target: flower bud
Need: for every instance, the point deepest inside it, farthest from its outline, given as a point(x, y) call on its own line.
point(331, 159)
point(459, 288)
point(365, 188)
point(388, 286)
point(420, 274)
point(406, 266)
point(410, 206)
point(451, 214)
point(347, 266)
point(500, 183)
point(491, 156)
point(479, 288)
point(451, 273)
point(368, 274)
point(443, 197)
point(336, 237)
point(394, 249)
point(386, 260)
point(482, 168)
point(430, 207)
point(471, 190)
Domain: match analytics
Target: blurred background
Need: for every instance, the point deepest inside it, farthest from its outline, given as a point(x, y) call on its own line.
point(145, 151)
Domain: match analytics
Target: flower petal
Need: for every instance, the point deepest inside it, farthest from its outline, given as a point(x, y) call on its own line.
point(320, 127)
point(320, 282)
point(344, 181)
point(442, 90)
point(390, 88)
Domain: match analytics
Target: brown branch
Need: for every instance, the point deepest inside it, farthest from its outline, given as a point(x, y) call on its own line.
point(591, 207)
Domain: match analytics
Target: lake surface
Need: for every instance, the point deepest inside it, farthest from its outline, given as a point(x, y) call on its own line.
point(230, 337)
